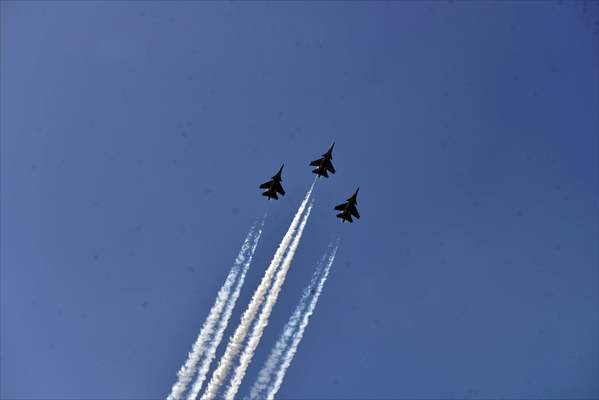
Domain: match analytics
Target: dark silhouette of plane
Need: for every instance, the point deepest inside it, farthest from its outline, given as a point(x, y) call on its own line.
point(273, 186)
point(324, 163)
point(349, 208)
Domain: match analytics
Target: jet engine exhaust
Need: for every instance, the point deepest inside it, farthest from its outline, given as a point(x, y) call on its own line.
point(236, 341)
point(240, 266)
point(280, 349)
point(258, 330)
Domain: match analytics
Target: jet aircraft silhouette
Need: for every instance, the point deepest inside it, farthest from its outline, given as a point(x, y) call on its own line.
point(349, 208)
point(273, 186)
point(324, 163)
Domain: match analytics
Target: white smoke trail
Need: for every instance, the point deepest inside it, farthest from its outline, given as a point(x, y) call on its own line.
point(236, 341)
point(187, 371)
point(258, 330)
point(265, 376)
point(297, 337)
point(222, 325)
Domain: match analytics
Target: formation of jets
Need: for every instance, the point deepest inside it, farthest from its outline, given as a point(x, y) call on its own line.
point(323, 165)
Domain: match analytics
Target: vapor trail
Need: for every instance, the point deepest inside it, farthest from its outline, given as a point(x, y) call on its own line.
point(236, 341)
point(297, 337)
point(265, 376)
point(241, 264)
point(258, 330)
point(222, 325)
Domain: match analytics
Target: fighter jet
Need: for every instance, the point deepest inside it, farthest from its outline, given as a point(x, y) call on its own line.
point(273, 186)
point(324, 163)
point(349, 208)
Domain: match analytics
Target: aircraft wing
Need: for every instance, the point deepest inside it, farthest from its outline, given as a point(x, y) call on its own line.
point(354, 211)
point(330, 167)
point(316, 163)
point(279, 188)
point(340, 207)
point(265, 185)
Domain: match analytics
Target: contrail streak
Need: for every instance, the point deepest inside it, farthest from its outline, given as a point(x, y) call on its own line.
point(222, 325)
point(265, 376)
point(241, 264)
point(236, 341)
point(258, 330)
point(297, 337)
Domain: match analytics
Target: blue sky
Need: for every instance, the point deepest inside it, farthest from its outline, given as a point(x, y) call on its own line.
point(134, 136)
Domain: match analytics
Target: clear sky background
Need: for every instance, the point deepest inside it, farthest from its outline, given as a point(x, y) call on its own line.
point(135, 134)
